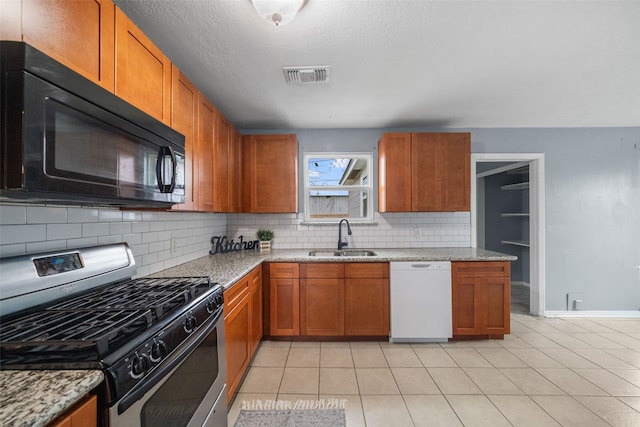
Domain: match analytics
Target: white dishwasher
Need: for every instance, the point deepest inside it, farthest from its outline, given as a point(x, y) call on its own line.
point(420, 301)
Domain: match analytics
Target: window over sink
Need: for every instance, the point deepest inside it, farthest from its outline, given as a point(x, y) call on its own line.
point(337, 185)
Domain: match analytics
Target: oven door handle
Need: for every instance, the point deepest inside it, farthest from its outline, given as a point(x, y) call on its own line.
point(179, 355)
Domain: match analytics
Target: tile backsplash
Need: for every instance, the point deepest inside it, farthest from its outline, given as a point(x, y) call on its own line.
point(159, 240)
point(389, 230)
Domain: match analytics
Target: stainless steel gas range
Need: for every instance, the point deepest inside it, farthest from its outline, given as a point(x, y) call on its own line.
point(159, 342)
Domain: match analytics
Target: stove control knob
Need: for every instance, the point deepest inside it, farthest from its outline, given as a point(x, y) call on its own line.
point(158, 350)
point(190, 323)
point(139, 365)
point(218, 299)
point(212, 305)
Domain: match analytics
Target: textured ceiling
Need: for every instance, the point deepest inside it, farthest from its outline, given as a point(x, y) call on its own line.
point(401, 63)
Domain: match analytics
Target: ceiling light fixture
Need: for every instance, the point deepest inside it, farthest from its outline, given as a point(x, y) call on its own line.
point(278, 12)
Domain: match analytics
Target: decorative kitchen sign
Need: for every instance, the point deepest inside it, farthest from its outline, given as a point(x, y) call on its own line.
point(220, 244)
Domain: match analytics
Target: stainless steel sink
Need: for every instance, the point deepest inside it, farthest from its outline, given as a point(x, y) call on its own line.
point(344, 253)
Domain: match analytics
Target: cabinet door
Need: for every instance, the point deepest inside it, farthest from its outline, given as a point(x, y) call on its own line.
point(394, 166)
point(235, 170)
point(84, 414)
point(284, 300)
point(440, 172)
point(468, 306)
point(269, 174)
point(322, 307)
point(79, 34)
point(255, 307)
point(236, 330)
point(366, 306)
point(143, 72)
point(207, 126)
point(222, 159)
point(184, 119)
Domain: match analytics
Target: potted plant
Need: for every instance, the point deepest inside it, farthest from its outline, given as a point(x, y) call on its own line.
point(265, 236)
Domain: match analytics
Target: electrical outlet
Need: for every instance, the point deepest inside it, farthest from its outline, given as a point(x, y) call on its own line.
point(574, 301)
point(416, 233)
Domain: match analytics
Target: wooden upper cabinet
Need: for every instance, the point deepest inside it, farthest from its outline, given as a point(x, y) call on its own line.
point(440, 172)
point(226, 167)
point(207, 127)
point(269, 174)
point(77, 33)
point(394, 166)
point(143, 72)
point(424, 172)
point(184, 119)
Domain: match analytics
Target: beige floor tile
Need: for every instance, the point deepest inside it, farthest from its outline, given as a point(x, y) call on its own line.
point(234, 411)
point(531, 382)
point(609, 382)
point(568, 411)
point(353, 408)
point(622, 339)
point(430, 411)
point(596, 341)
point(293, 397)
point(633, 402)
point(453, 381)
point(414, 381)
point(262, 380)
point(512, 341)
point(338, 381)
point(569, 326)
point(300, 381)
point(476, 411)
point(537, 340)
point(468, 358)
point(335, 344)
point(386, 411)
point(368, 357)
point(602, 358)
point(362, 344)
point(403, 357)
point(492, 381)
point(568, 358)
point(376, 381)
point(628, 355)
point(592, 325)
point(485, 344)
point(435, 358)
point(501, 358)
point(456, 344)
point(305, 344)
point(338, 357)
point(631, 375)
point(535, 358)
point(268, 343)
point(571, 383)
point(303, 357)
point(611, 410)
point(566, 340)
point(522, 411)
point(274, 356)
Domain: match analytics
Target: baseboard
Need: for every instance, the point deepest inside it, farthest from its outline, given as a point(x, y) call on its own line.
point(594, 313)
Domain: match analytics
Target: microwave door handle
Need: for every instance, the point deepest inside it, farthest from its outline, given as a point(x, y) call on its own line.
point(165, 155)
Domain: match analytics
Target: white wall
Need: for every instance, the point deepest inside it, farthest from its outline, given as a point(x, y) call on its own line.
point(36, 228)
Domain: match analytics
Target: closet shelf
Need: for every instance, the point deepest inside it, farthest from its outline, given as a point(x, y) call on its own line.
point(515, 243)
point(516, 186)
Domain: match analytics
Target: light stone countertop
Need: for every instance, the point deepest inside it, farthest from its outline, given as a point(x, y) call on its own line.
point(35, 398)
point(228, 268)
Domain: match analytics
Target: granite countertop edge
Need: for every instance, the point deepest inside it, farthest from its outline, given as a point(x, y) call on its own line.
point(35, 398)
point(228, 268)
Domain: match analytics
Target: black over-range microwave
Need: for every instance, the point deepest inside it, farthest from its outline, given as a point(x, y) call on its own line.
point(64, 139)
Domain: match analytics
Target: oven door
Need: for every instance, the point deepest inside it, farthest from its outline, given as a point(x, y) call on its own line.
point(188, 389)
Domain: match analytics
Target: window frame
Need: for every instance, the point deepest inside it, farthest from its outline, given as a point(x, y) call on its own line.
point(368, 187)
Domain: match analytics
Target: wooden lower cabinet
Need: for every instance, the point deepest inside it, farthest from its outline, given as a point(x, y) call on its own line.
point(255, 309)
point(481, 295)
point(83, 414)
point(284, 299)
point(366, 299)
point(322, 299)
point(335, 299)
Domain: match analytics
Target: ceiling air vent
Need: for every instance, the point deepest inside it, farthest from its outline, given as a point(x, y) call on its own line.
point(316, 74)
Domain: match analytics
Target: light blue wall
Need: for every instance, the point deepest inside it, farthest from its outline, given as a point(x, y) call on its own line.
point(592, 202)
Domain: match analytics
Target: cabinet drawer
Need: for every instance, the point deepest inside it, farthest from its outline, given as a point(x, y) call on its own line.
point(372, 270)
point(481, 269)
point(322, 270)
point(284, 270)
point(234, 295)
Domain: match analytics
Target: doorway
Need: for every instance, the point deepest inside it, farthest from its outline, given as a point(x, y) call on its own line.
point(514, 173)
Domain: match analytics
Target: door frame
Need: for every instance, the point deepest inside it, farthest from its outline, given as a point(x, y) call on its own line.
point(536, 218)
